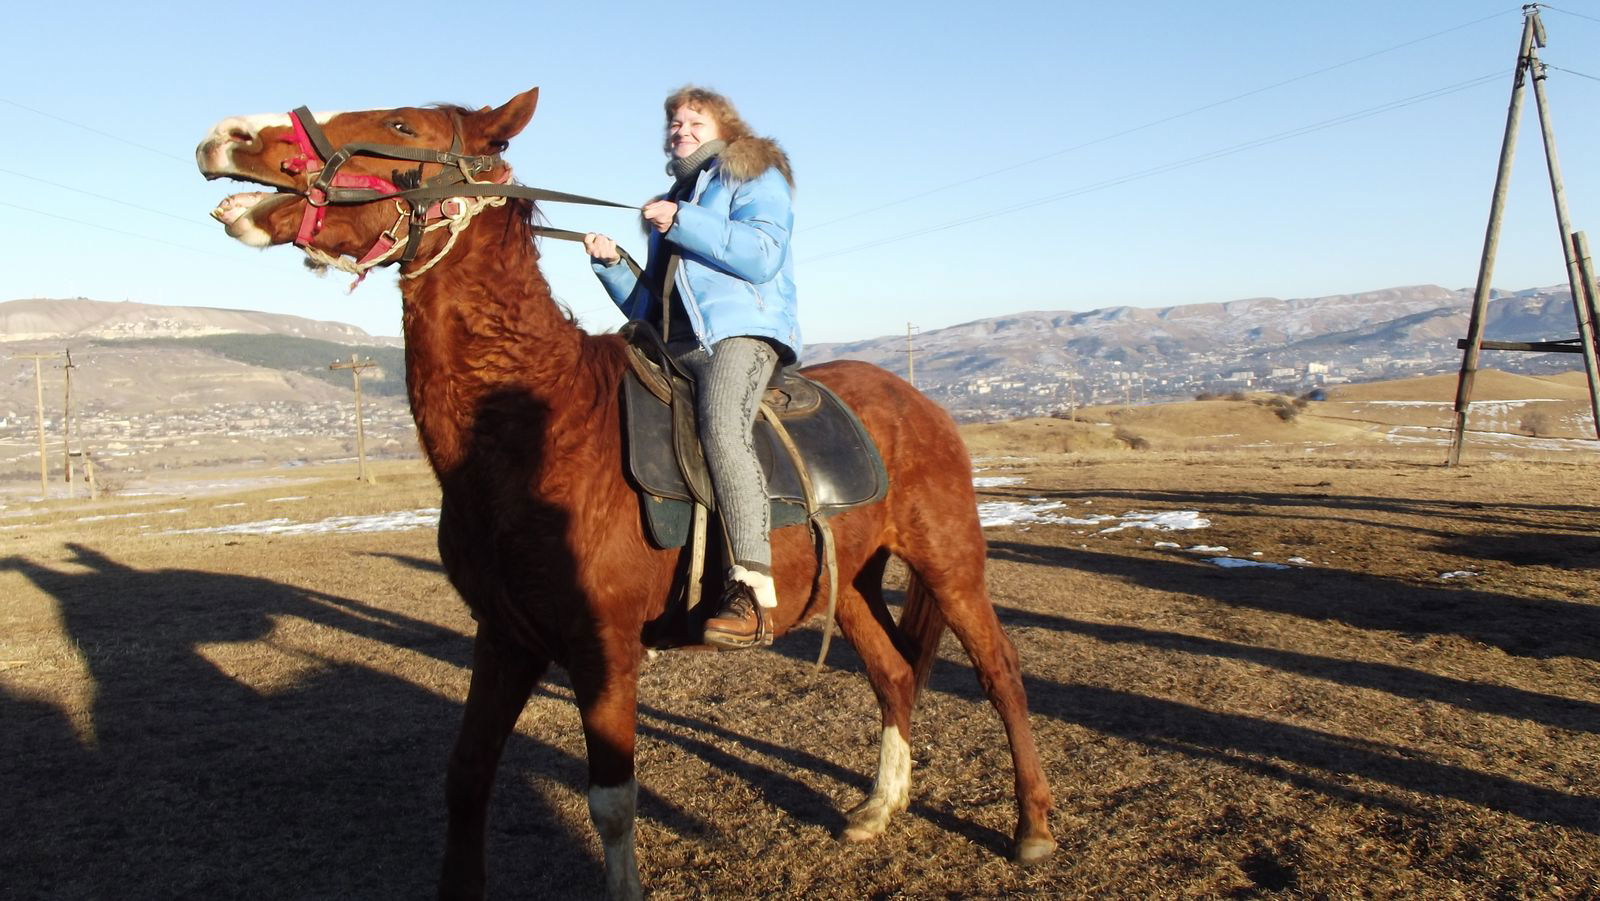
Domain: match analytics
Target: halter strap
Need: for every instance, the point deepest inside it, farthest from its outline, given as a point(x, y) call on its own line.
point(318, 157)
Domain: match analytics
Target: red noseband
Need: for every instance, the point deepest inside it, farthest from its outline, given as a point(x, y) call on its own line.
point(311, 161)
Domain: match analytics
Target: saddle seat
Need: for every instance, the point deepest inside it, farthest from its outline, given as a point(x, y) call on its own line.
point(667, 466)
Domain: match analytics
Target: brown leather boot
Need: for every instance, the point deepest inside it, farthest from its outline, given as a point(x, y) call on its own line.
point(738, 623)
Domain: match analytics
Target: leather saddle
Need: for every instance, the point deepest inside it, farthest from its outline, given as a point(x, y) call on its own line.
point(666, 464)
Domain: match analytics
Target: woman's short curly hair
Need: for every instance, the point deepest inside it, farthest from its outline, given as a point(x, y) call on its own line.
point(707, 102)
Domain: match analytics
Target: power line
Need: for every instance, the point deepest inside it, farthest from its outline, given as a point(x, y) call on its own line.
point(1571, 72)
point(1162, 121)
point(188, 219)
point(1178, 164)
point(90, 128)
point(1567, 12)
point(112, 230)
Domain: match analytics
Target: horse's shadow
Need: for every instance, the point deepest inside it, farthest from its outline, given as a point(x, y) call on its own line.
point(1520, 626)
point(326, 784)
point(188, 782)
point(1304, 756)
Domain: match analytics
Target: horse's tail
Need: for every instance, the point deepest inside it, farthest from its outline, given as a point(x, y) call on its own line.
point(922, 623)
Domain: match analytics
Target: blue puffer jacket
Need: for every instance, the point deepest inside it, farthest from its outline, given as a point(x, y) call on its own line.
point(737, 275)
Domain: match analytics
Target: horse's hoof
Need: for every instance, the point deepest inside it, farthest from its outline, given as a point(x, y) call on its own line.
point(859, 834)
point(1032, 850)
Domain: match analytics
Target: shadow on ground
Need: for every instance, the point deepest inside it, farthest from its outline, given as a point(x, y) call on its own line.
point(1316, 760)
point(195, 785)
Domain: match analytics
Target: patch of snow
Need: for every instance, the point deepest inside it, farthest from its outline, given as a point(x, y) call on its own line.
point(1510, 439)
point(1459, 574)
point(1172, 521)
point(234, 504)
point(105, 516)
point(1239, 563)
point(404, 520)
point(1007, 513)
point(1209, 549)
point(995, 481)
point(1300, 561)
point(1168, 544)
point(1476, 405)
point(297, 497)
point(1037, 509)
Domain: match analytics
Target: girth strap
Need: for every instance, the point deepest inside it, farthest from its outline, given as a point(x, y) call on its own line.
point(827, 556)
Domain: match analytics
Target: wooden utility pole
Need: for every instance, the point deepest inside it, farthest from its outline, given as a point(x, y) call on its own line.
point(66, 427)
point(355, 366)
point(1572, 246)
point(911, 360)
point(38, 390)
point(1588, 307)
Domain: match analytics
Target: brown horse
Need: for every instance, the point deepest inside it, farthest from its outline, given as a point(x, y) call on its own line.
point(539, 531)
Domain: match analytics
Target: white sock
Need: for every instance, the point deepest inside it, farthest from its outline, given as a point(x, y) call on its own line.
point(766, 594)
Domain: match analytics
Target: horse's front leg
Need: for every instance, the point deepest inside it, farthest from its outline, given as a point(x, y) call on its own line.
point(607, 688)
point(502, 679)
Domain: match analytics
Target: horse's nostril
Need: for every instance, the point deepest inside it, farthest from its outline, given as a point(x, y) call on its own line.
point(240, 135)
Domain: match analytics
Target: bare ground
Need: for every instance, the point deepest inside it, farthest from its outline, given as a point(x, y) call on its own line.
point(214, 715)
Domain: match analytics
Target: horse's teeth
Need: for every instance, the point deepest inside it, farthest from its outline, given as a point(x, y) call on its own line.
point(236, 205)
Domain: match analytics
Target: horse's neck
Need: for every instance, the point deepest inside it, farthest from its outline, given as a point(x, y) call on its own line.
point(484, 338)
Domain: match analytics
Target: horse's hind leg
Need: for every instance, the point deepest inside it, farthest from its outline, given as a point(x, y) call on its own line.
point(502, 679)
point(952, 569)
point(865, 622)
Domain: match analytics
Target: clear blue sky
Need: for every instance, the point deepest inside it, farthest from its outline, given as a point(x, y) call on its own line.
point(876, 103)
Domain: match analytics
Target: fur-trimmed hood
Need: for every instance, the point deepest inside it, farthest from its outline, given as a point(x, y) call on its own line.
point(748, 157)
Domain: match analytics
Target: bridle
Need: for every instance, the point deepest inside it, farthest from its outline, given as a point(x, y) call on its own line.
point(447, 200)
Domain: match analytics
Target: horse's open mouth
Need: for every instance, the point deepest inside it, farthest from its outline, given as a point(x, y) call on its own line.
point(236, 206)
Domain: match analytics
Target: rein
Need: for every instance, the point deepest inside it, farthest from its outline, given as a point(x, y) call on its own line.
point(447, 200)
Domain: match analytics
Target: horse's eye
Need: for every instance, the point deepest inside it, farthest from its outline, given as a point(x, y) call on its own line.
point(403, 128)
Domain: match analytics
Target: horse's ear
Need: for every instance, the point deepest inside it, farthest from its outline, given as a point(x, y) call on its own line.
point(496, 127)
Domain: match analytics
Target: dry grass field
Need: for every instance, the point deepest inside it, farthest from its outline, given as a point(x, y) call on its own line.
point(1409, 707)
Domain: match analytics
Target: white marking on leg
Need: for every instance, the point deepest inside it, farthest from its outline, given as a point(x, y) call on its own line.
point(612, 810)
point(891, 792)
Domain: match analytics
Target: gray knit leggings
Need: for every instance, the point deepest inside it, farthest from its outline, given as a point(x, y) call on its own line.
point(732, 380)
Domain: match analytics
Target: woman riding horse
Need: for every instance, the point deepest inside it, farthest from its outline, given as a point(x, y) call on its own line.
point(719, 283)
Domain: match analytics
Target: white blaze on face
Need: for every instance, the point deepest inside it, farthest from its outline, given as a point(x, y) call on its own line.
point(214, 155)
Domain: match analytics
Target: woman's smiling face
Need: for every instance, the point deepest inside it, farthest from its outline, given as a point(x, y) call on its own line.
point(688, 129)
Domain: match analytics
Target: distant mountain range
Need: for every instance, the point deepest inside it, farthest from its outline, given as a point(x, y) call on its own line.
point(145, 357)
point(1416, 321)
point(80, 318)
